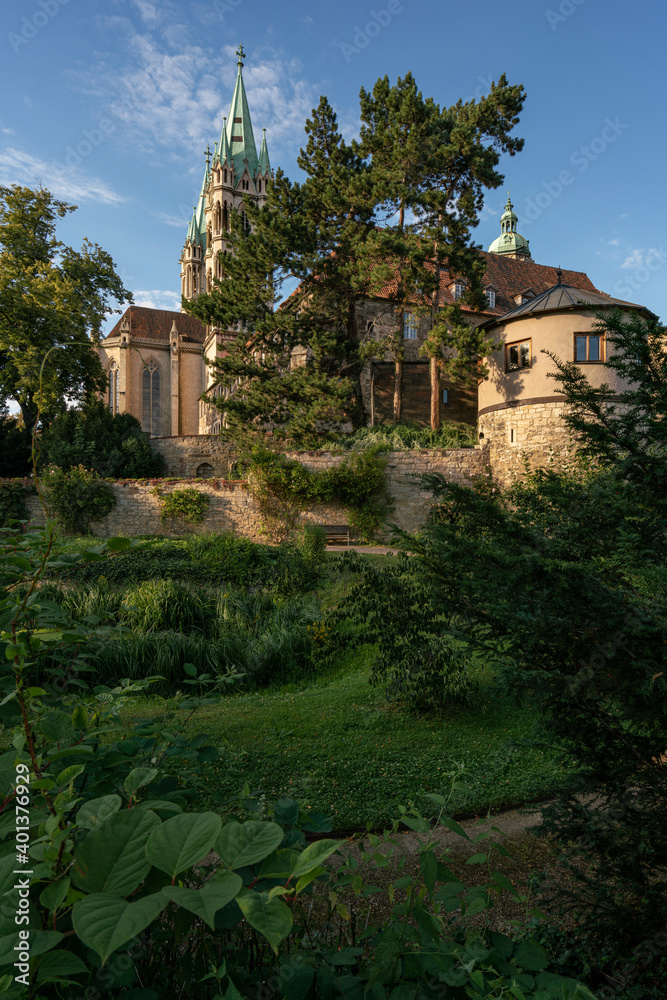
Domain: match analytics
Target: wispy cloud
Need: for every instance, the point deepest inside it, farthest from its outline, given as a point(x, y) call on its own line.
point(172, 94)
point(19, 167)
point(639, 257)
point(158, 299)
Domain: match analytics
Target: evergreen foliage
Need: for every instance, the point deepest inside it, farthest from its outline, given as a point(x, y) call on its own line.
point(291, 375)
point(560, 582)
point(114, 446)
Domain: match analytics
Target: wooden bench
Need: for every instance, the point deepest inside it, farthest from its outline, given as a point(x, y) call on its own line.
point(337, 534)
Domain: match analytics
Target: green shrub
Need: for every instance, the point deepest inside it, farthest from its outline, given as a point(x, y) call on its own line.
point(210, 559)
point(114, 446)
point(409, 437)
point(283, 487)
point(12, 501)
point(312, 542)
point(188, 504)
point(77, 497)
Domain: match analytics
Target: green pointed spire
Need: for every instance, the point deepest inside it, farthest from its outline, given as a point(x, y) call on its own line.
point(192, 228)
point(223, 145)
point(239, 132)
point(264, 163)
point(200, 211)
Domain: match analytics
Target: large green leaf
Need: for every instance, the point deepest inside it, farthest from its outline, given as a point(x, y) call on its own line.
point(314, 855)
point(272, 918)
point(94, 812)
point(137, 777)
point(59, 965)
point(240, 845)
point(206, 902)
point(112, 858)
point(105, 923)
point(182, 841)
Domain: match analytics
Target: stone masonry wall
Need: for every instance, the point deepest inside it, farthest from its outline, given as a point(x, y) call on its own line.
point(232, 507)
point(535, 429)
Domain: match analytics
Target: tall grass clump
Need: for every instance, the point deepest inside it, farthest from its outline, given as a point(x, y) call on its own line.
point(163, 605)
point(409, 437)
point(268, 642)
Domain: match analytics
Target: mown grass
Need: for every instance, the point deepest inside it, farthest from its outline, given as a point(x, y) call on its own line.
point(337, 746)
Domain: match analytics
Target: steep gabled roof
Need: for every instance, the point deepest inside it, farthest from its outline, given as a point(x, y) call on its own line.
point(155, 324)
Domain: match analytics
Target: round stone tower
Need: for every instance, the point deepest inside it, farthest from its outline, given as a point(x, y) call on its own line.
point(520, 410)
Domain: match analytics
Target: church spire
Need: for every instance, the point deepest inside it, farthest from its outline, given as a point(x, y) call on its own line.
point(264, 163)
point(239, 132)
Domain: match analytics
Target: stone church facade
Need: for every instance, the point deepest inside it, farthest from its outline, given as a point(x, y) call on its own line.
point(156, 359)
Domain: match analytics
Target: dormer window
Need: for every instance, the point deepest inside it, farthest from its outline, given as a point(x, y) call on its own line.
point(491, 298)
point(457, 289)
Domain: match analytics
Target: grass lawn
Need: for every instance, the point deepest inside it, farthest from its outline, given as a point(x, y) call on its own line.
point(340, 749)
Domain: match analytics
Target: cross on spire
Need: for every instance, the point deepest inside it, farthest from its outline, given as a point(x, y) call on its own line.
point(207, 155)
point(241, 54)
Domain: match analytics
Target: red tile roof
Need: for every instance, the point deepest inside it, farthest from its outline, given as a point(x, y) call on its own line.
point(508, 277)
point(155, 324)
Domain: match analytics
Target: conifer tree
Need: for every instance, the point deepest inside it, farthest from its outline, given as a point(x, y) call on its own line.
point(294, 370)
point(431, 166)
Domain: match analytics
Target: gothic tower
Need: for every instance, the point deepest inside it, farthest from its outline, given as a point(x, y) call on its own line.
point(236, 176)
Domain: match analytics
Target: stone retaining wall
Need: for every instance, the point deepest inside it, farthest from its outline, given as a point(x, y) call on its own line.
point(233, 508)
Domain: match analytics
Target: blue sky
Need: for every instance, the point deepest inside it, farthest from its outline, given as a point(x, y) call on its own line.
point(110, 103)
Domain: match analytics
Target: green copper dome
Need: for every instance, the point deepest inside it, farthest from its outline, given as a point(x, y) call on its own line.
point(509, 241)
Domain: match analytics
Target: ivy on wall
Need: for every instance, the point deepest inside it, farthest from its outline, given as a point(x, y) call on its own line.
point(283, 487)
point(188, 504)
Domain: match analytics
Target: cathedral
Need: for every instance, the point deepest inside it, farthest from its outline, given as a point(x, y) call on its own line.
point(156, 359)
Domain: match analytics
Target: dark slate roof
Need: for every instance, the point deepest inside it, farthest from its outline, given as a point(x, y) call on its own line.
point(155, 324)
point(564, 296)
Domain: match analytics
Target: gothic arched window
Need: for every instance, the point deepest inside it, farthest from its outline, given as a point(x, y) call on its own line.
point(150, 422)
point(217, 217)
point(225, 218)
point(112, 374)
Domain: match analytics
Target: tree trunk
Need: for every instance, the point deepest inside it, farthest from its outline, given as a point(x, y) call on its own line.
point(435, 393)
point(398, 387)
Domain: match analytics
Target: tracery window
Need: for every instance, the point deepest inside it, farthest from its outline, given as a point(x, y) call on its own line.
point(150, 422)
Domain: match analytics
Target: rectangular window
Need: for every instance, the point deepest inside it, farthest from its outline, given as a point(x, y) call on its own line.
point(459, 289)
point(517, 356)
point(409, 326)
point(588, 347)
point(491, 299)
point(445, 395)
